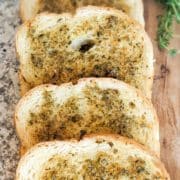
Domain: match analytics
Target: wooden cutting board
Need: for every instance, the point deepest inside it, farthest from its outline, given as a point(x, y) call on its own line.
point(166, 93)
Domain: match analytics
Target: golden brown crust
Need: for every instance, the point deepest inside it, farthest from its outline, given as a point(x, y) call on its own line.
point(24, 86)
point(25, 7)
point(16, 41)
point(21, 10)
point(22, 150)
point(120, 138)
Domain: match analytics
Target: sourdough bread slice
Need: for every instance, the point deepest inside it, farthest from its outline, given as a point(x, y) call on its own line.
point(92, 105)
point(29, 9)
point(95, 157)
point(94, 42)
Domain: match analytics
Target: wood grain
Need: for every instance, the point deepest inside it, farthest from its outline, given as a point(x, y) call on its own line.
point(166, 94)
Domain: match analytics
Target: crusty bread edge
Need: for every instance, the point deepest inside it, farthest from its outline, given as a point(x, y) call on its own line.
point(33, 7)
point(110, 137)
point(139, 8)
point(24, 86)
point(21, 10)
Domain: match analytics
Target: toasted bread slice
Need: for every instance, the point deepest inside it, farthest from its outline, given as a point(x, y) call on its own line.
point(95, 157)
point(95, 42)
point(92, 105)
point(29, 9)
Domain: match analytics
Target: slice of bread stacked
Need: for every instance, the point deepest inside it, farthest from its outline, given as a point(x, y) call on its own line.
point(29, 9)
point(95, 157)
point(94, 42)
point(93, 105)
point(105, 47)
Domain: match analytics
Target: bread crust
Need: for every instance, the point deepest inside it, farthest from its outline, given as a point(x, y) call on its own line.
point(28, 9)
point(106, 137)
point(24, 86)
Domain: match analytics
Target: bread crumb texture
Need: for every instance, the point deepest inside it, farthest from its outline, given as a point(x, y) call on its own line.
point(97, 46)
point(90, 111)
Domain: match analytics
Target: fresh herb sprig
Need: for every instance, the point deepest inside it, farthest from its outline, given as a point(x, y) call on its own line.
point(165, 25)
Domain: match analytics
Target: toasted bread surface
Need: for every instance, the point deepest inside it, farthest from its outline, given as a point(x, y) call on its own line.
point(94, 157)
point(103, 105)
point(95, 42)
point(29, 9)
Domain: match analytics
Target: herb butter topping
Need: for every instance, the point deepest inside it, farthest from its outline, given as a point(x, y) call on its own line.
point(102, 110)
point(101, 166)
point(111, 46)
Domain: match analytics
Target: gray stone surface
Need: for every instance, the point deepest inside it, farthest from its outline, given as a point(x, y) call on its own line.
point(9, 93)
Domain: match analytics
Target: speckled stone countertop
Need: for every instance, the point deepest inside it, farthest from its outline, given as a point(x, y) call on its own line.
point(9, 21)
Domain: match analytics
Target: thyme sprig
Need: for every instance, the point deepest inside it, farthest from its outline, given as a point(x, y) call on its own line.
point(165, 24)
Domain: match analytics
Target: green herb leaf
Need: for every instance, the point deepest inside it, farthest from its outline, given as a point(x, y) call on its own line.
point(165, 25)
point(164, 33)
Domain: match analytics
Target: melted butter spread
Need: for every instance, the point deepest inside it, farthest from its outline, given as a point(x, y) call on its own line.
point(104, 112)
point(101, 166)
point(112, 53)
